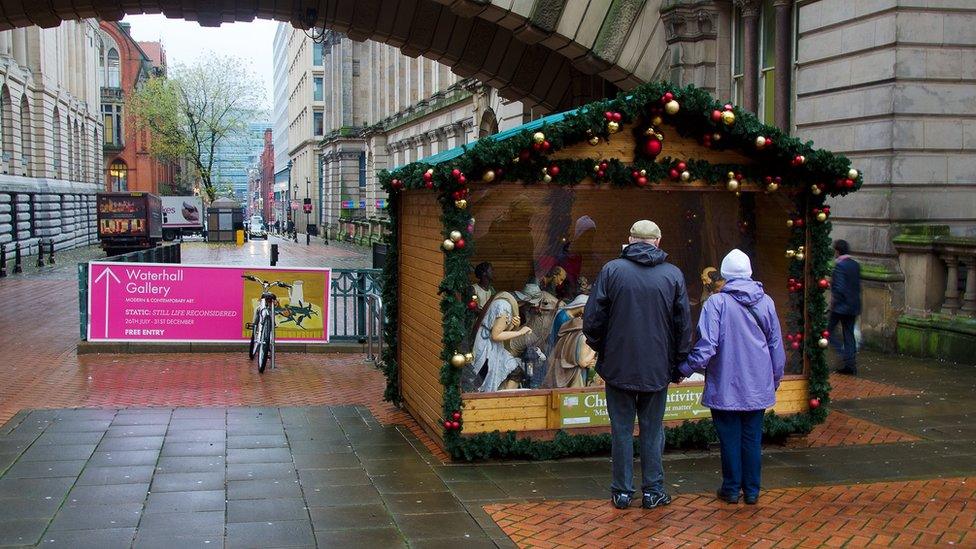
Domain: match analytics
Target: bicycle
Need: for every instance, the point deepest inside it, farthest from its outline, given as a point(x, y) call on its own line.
point(263, 326)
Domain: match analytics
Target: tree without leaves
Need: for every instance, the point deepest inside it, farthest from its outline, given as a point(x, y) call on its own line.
point(195, 109)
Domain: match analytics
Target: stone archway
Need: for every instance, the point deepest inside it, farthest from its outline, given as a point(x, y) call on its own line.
point(541, 52)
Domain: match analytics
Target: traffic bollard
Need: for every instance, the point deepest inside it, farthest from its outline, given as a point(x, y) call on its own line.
point(3, 260)
point(40, 253)
point(274, 255)
point(50, 254)
point(18, 268)
point(295, 235)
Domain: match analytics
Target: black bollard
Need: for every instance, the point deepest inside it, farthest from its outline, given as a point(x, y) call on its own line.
point(274, 255)
point(3, 260)
point(18, 268)
point(295, 234)
point(40, 253)
point(50, 255)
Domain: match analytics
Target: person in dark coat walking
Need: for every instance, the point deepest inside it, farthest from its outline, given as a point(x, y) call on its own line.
point(638, 321)
point(740, 351)
point(845, 305)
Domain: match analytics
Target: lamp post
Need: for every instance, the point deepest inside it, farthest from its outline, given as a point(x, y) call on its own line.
point(308, 210)
point(295, 193)
point(288, 216)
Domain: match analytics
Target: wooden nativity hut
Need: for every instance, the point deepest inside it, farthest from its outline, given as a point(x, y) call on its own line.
point(537, 211)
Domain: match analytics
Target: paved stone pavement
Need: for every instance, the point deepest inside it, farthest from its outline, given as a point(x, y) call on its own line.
point(307, 454)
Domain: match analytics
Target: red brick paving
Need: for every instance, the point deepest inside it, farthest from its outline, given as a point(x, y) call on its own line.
point(892, 514)
point(855, 388)
point(841, 429)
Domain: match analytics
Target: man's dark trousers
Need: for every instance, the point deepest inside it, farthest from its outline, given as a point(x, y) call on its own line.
point(845, 346)
point(648, 407)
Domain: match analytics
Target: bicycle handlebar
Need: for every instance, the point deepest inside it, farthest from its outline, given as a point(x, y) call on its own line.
point(264, 283)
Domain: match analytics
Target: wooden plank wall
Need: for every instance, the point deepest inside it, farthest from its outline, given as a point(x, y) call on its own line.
point(421, 331)
point(512, 411)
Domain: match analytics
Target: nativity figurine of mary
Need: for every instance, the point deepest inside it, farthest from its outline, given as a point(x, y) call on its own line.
point(500, 323)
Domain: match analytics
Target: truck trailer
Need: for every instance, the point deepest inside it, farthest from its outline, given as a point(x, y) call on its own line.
point(129, 221)
point(182, 216)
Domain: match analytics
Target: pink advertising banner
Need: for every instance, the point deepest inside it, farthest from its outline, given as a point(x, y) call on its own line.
point(205, 303)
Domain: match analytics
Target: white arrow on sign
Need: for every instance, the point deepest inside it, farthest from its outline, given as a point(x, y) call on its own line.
point(107, 273)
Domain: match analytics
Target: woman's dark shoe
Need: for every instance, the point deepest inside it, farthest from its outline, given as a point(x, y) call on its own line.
point(752, 500)
point(726, 498)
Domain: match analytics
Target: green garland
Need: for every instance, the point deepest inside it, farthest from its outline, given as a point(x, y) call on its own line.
point(524, 157)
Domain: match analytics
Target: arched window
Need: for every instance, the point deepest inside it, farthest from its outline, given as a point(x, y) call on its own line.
point(7, 133)
point(57, 143)
point(76, 163)
point(112, 76)
point(96, 157)
point(118, 176)
point(83, 154)
point(26, 144)
point(71, 151)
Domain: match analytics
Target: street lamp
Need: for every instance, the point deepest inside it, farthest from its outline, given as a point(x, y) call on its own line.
point(288, 199)
point(295, 193)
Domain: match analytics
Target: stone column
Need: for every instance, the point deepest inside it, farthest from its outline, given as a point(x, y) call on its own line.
point(951, 303)
point(969, 298)
point(750, 54)
point(20, 46)
point(784, 24)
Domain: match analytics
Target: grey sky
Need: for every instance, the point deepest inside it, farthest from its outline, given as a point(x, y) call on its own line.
point(185, 41)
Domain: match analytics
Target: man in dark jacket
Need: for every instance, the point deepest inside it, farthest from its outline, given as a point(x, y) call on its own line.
point(638, 321)
point(845, 299)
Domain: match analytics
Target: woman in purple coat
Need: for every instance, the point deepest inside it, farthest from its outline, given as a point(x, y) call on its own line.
point(740, 351)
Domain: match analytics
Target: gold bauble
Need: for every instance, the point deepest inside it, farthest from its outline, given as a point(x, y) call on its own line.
point(799, 256)
point(657, 121)
point(457, 360)
point(469, 358)
point(649, 132)
point(538, 137)
point(760, 142)
point(772, 187)
point(547, 178)
point(790, 253)
point(489, 176)
point(461, 204)
point(643, 173)
point(448, 244)
point(672, 107)
point(455, 235)
point(733, 185)
point(821, 217)
point(731, 175)
point(716, 136)
point(789, 223)
point(815, 190)
point(594, 140)
point(852, 173)
point(613, 127)
point(596, 167)
point(430, 171)
point(685, 175)
point(823, 343)
point(728, 118)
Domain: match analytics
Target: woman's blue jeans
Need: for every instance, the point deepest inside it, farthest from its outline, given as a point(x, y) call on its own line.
point(740, 436)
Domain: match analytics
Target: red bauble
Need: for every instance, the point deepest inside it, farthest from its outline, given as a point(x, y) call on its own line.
point(456, 416)
point(456, 195)
point(652, 147)
point(429, 185)
point(798, 222)
point(617, 117)
point(635, 174)
point(447, 424)
point(849, 183)
point(455, 425)
point(604, 165)
point(459, 244)
point(716, 116)
point(795, 345)
point(608, 115)
point(668, 96)
point(675, 174)
point(642, 181)
point(681, 166)
point(456, 173)
point(525, 154)
point(728, 106)
point(462, 180)
point(789, 337)
point(546, 145)
point(814, 403)
point(824, 283)
point(825, 334)
point(554, 170)
point(428, 176)
point(472, 305)
point(600, 174)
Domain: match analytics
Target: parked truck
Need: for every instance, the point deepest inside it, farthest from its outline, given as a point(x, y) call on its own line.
point(182, 216)
point(129, 221)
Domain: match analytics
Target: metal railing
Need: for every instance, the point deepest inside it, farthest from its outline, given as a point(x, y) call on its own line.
point(374, 328)
point(350, 294)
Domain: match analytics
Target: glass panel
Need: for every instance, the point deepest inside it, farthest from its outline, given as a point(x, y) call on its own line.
point(113, 69)
point(737, 43)
point(317, 123)
point(317, 93)
point(549, 244)
point(768, 100)
point(317, 54)
point(768, 55)
point(108, 119)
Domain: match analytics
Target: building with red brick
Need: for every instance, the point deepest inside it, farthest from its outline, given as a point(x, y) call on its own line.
point(123, 65)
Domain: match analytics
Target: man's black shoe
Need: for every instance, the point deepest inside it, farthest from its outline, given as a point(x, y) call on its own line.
point(656, 499)
point(725, 498)
point(621, 500)
point(751, 500)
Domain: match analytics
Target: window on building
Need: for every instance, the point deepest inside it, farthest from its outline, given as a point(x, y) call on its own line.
point(112, 118)
point(765, 62)
point(318, 123)
point(112, 75)
point(317, 50)
point(118, 176)
point(355, 67)
point(56, 129)
point(317, 93)
point(362, 170)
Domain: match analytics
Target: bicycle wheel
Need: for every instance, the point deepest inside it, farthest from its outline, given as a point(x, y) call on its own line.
point(253, 346)
point(265, 344)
